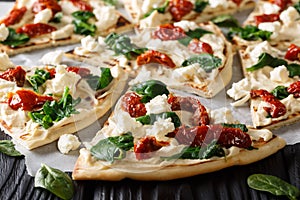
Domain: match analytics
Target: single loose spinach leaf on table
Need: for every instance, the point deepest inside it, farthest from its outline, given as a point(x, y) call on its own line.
point(54, 180)
point(7, 147)
point(274, 185)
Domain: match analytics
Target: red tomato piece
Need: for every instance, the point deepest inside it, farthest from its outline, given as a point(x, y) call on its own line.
point(200, 47)
point(169, 32)
point(179, 8)
point(131, 103)
point(15, 75)
point(33, 30)
point(14, 16)
point(266, 18)
point(293, 53)
point(152, 56)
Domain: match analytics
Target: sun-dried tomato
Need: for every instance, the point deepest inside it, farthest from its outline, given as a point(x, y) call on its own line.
point(152, 56)
point(169, 32)
point(200, 116)
point(198, 46)
point(294, 89)
point(179, 8)
point(83, 72)
point(276, 108)
point(281, 3)
point(266, 18)
point(26, 100)
point(131, 103)
point(15, 75)
point(204, 135)
point(40, 5)
point(238, 2)
point(33, 30)
point(146, 145)
point(293, 53)
point(82, 5)
point(14, 16)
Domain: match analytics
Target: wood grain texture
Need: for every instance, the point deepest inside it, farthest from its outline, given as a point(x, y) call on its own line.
point(229, 184)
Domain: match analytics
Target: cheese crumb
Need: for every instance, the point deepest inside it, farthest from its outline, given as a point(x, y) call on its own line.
point(5, 63)
point(157, 105)
point(3, 32)
point(90, 44)
point(67, 143)
point(273, 27)
point(279, 74)
point(106, 16)
point(43, 16)
point(290, 15)
point(52, 58)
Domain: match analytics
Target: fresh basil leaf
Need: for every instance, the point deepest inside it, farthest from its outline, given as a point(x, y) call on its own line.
point(280, 92)
point(273, 184)
point(193, 34)
point(200, 5)
point(297, 6)
point(150, 89)
point(53, 111)
point(7, 147)
point(243, 127)
point(206, 61)
point(57, 17)
point(105, 78)
point(39, 78)
point(15, 39)
point(84, 28)
point(110, 2)
point(83, 15)
point(249, 33)
point(161, 9)
point(266, 59)
point(225, 21)
point(54, 180)
point(121, 44)
point(151, 118)
point(294, 69)
point(113, 148)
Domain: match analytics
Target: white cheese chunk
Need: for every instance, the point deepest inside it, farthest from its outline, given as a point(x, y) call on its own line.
point(262, 133)
point(64, 32)
point(188, 73)
point(116, 71)
point(158, 105)
point(67, 143)
point(13, 118)
point(160, 128)
point(186, 25)
point(273, 27)
point(5, 63)
point(67, 7)
point(52, 58)
point(3, 32)
point(27, 3)
point(43, 16)
point(221, 115)
point(290, 15)
point(217, 3)
point(263, 47)
point(90, 44)
point(268, 8)
point(279, 74)
point(106, 16)
point(240, 89)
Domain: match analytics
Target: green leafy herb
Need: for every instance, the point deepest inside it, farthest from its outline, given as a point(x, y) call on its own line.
point(243, 127)
point(7, 147)
point(213, 149)
point(54, 180)
point(15, 39)
point(225, 21)
point(280, 92)
point(273, 185)
point(111, 2)
point(39, 78)
point(54, 111)
point(150, 89)
point(121, 44)
point(113, 148)
point(297, 6)
point(206, 61)
point(250, 33)
point(57, 17)
point(266, 59)
point(294, 69)
point(200, 5)
point(161, 9)
point(97, 83)
point(193, 34)
point(81, 25)
point(151, 118)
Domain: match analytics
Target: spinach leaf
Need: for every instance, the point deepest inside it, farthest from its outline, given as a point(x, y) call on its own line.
point(54, 111)
point(294, 69)
point(193, 34)
point(200, 5)
point(249, 33)
point(54, 180)
point(121, 44)
point(213, 149)
point(151, 118)
point(266, 59)
point(113, 148)
point(274, 185)
point(206, 61)
point(225, 21)
point(243, 127)
point(7, 147)
point(57, 17)
point(15, 39)
point(297, 6)
point(280, 92)
point(81, 25)
point(111, 2)
point(161, 9)
point(39, 78)
point(150, 89)
point(96, 82)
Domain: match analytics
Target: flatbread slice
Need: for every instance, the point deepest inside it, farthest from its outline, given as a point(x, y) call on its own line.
point(39, 104)
point(165, 146)
point(32, 25)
